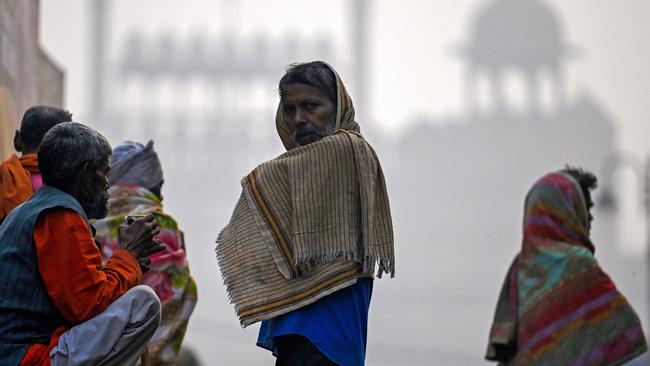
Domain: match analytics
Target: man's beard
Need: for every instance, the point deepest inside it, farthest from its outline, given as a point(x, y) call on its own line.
point(305, 134)
point(95, 204)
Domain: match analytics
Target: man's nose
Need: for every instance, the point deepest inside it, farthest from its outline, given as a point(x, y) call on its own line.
point(299, 118)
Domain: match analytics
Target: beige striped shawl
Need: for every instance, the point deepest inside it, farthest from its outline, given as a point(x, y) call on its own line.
point(308, 223)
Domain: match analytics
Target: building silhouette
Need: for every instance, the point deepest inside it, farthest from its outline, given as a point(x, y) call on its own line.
point(458, 182)
point(521, 36)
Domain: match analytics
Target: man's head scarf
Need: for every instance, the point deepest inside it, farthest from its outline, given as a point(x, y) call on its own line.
point(344, 114)
point(135, 164)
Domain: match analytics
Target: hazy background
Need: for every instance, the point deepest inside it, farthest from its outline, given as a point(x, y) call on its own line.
point(467, 103)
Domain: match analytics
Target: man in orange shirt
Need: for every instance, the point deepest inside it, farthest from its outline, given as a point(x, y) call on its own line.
point(59, 305)
point(19, 176)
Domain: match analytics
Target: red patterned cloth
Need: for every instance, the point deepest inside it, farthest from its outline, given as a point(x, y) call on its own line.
point(557, 306)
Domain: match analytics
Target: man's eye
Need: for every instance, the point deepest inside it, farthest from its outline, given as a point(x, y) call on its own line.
point(289, 110)
point(311, 106)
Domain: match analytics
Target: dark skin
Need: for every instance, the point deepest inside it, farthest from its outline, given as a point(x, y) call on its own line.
point(309, 113)
point(587, 182)
point(135, 236)
point(23, 147)
point(587, 195)
point(157, 190)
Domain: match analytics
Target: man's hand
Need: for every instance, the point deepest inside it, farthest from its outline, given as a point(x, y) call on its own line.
point(137, 236)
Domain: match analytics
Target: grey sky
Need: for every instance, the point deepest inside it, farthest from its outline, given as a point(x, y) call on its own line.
point(413, 67)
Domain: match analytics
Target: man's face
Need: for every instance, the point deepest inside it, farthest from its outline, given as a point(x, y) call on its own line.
point(94, 195)
point(309, 113)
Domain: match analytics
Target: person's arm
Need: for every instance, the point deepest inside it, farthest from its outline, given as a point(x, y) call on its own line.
point(71, 266)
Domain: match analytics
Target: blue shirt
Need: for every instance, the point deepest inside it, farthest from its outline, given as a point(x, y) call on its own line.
point(337, 324)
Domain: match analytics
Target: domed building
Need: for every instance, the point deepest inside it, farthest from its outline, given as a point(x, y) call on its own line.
point(524, 36)
point(464, 176)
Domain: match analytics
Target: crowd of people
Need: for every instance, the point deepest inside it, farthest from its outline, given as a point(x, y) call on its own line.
point(95, 272)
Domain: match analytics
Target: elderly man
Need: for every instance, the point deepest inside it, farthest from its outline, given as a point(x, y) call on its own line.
point(136, 178)
point(58, 304)
point(557, 306)
point(19, 176)
point(309, 229)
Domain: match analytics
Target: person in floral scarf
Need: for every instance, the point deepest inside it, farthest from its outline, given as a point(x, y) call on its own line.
point(136, 180)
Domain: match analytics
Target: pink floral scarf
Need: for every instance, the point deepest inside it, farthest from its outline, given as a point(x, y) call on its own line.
point(169, 273)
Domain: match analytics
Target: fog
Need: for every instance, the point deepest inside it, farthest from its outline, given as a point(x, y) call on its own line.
point(467, 104)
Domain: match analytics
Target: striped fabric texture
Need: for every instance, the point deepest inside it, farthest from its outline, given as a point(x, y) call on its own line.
point(308, 223)
point(557, 306)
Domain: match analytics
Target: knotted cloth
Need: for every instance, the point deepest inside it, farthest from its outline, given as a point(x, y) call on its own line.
point(135, 164)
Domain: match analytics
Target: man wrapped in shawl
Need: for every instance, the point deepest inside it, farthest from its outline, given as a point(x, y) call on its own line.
point(136, 179)
point(20, 176)
point(309, 229)
point(557, 306)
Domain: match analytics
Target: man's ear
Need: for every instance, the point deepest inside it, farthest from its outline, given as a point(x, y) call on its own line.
point(88, 173)
point(18, 142)
point(84, 179)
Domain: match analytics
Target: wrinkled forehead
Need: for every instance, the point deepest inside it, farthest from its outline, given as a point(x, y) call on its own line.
point(315, 74)
point(297, 92)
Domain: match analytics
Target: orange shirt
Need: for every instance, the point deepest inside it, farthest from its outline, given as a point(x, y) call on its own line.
point(15, 182)
point(70, 264)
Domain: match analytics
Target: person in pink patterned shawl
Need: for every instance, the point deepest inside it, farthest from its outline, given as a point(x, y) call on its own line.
point(136, 181)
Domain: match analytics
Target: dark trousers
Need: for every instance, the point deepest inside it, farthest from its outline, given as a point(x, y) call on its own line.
point(296, 350)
